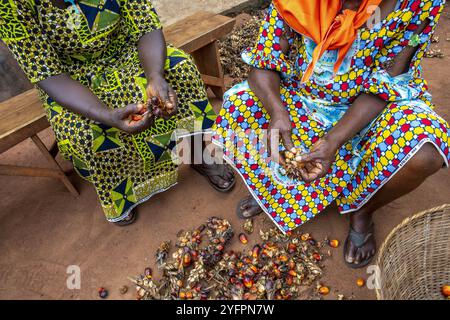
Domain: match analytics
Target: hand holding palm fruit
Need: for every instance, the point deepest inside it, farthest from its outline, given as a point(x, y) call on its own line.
point(162, 101)
point(293, 163)
point(312, 165)
point(157, 109)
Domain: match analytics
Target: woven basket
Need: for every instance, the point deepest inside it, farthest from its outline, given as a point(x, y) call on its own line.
point(414, 260)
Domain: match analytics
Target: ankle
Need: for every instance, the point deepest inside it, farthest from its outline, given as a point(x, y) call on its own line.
point(361, 221)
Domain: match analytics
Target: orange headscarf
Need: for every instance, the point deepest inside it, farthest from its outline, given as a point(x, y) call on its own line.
point(322, 21)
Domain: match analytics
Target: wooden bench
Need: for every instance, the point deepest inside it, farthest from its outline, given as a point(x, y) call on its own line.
point(23, 116)
point(198, 35)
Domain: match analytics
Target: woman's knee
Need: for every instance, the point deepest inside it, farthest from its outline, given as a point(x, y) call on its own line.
point(426, 161)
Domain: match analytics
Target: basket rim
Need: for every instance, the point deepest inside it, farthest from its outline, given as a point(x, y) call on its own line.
point(416, 216)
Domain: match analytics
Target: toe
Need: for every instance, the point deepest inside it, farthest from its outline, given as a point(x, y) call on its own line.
point(350, 256)
point(365, 255)
point(220, 182)
point(242, 206)
point(358, 257)
point(245, 203)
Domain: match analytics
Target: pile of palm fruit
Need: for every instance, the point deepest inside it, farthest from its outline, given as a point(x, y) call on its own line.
point(201, 268)
point(242, 37)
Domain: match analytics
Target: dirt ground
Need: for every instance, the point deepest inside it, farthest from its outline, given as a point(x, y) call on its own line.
point(43, 229)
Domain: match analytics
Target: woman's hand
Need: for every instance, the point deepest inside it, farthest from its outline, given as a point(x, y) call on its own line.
point(280, 124)
point(319, 160)
point(130, 118)
point(158, 87)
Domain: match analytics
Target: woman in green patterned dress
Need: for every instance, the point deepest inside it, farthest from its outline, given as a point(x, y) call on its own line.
point(94, 62)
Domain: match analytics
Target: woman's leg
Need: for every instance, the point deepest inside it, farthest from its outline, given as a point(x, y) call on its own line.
point(426, 162)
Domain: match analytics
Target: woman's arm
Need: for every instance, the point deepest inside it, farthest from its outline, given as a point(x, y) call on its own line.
point(73, 96)
point(361, 113)
point(367, 107)
point(49, 72)
point(152, 54)
point(265, 84)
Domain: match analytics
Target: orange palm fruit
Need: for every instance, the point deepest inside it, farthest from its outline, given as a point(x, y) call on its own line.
point(243, 238)
point(248, 282)
point(256, 251)
point(292, 248)
point(446, 290)
point(360, 282)
point(317, 256)
point(187, 260)
point(334, 243)
point(293, 273)
point(324, 290)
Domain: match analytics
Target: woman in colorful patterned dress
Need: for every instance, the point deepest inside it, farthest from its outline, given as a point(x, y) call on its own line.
point(352, 99)
point(94, 62)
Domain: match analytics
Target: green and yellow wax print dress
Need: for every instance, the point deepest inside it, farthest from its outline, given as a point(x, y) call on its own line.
point(96, 44)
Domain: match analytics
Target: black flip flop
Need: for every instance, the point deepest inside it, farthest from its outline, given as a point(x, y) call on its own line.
point(239, 211)
point(358, 239)
point(127, 221)
point(203, 173)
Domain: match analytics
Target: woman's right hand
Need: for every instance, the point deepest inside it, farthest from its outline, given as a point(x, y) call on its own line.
point(281, 126)
point(122, 118)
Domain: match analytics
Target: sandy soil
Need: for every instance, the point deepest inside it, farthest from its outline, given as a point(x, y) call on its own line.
point(43, 229)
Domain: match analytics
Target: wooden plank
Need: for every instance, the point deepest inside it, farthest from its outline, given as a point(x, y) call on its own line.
point(213, 81)
point(208, 63)
point(198, 30)
point(7, 170)
point(20, 118)
point(23, 134)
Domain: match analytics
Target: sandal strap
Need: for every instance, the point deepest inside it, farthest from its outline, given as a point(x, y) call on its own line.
point(359, 239)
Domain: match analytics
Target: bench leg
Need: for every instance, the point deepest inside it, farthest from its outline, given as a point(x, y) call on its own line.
point(208, 63)
point(62, 176)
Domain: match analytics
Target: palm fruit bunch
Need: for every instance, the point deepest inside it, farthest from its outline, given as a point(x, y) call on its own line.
point(201, 268)
point(293, 163)
point(159, 108)
point(156, 107)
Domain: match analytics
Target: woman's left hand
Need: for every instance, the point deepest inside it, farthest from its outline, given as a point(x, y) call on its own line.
point(319, 160)
point(158, 87)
